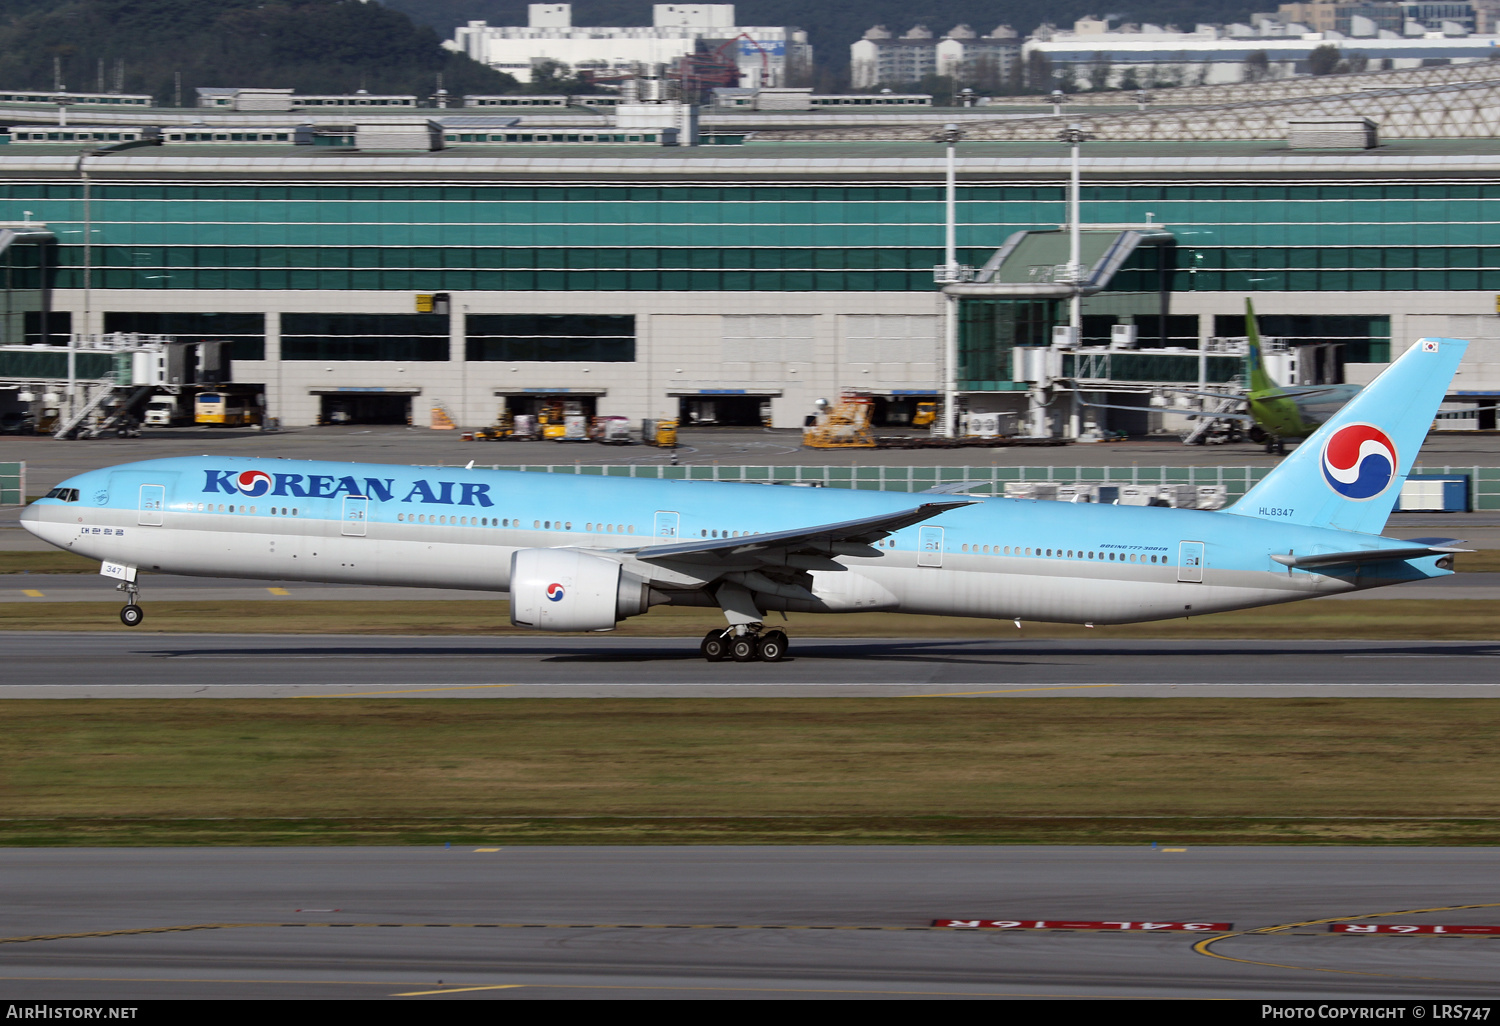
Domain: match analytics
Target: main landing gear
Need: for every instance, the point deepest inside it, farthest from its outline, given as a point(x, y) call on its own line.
point(132, 614)
point(744, 644)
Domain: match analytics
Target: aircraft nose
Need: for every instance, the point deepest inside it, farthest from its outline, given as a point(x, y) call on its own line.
point(31, 519)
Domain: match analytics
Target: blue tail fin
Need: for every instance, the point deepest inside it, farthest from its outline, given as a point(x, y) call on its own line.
point(1349, 472)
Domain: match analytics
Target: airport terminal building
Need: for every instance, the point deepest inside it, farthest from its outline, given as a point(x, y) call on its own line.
point(707, 282)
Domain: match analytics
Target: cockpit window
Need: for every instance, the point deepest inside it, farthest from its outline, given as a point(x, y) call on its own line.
point(65, 494)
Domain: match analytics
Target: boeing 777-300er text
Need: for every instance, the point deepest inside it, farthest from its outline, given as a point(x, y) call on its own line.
point(582, 552)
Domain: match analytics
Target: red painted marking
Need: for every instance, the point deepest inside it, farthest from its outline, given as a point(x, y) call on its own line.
point(1062, 924)
point(1409, 928)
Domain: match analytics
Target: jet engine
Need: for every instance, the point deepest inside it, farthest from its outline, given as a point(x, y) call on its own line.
point(567, 590)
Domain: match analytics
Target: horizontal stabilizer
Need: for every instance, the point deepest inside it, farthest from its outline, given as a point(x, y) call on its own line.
point(865, 530)
point(1322, 559)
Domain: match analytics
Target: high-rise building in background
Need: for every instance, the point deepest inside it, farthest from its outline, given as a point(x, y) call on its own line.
point(983, 62)
point(765, 54)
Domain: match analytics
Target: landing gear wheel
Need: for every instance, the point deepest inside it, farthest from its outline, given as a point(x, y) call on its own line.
point(742, 649)
point(132, 615)
point(772, 647)
point(714, 648)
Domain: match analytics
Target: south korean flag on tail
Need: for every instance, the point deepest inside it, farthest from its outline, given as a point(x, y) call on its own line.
point(1429, 346)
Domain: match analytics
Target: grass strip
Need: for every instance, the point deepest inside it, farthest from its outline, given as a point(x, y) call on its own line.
point(1380, 620)
point(53, 561)
point(741, 771)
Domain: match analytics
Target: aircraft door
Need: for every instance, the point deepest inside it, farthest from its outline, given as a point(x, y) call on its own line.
point(153, 503)
point(666, 526)
point(1190, 562)
point(929, 546)
point(356, 512)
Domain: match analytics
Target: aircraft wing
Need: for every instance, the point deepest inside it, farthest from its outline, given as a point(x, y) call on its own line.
point(1322, 559)
point(1206, 395)
point(953, 487)
point(774, 546)
point(1244, 417)
point(1310, 391)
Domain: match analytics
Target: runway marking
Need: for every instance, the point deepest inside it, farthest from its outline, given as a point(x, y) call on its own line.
point(130, 932)
point(546, 926)
point(1203, 946)
point(404, 691)
point(459, 990)
point(278, 591)
point(32, 593)
point(1012, 691)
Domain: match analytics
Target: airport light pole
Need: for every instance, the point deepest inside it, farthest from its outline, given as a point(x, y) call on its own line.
point(1074, 136)
point(951, 271)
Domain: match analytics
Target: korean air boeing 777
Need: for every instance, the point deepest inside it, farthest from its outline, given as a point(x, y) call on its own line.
point(581, 553)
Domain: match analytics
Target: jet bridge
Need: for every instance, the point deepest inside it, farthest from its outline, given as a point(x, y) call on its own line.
point(1013, 318)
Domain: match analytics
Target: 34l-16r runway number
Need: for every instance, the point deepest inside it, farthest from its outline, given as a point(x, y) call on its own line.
point(1406, 928)
point(1059, 924)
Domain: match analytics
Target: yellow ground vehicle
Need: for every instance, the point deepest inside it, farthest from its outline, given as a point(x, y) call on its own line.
point(552, 418)
point(659, 433)
point(925, 415)
point(844, 426)
point(226, 409)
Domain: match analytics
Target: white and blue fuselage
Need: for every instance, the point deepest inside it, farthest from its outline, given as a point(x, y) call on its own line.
point(458, 528)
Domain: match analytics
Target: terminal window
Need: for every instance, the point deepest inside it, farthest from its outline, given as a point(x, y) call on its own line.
point(551, 338)
point(415, 338)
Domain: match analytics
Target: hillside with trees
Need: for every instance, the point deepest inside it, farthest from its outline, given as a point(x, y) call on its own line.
point(312, 46)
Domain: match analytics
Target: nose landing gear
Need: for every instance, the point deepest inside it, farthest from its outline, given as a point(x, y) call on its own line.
point(132, 614)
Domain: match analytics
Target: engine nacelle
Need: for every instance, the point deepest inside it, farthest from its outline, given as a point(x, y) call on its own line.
point(568, 590)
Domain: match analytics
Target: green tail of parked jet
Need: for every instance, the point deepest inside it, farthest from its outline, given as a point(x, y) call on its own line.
point(1293, 412)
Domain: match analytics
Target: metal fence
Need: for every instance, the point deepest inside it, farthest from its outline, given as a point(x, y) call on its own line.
point(13, 484)
point(1484, 482)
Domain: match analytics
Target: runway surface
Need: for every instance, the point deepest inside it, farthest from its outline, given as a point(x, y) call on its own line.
point(495, 922)
point(116, 665)
point(173, 588)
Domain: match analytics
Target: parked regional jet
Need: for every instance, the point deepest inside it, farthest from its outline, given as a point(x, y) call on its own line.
point(1271, 413)
point(581, 553)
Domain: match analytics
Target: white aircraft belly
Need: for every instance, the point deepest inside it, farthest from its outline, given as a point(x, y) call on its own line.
point(1058, 596)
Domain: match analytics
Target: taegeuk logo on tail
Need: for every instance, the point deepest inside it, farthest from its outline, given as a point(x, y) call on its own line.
point(1359, 461)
